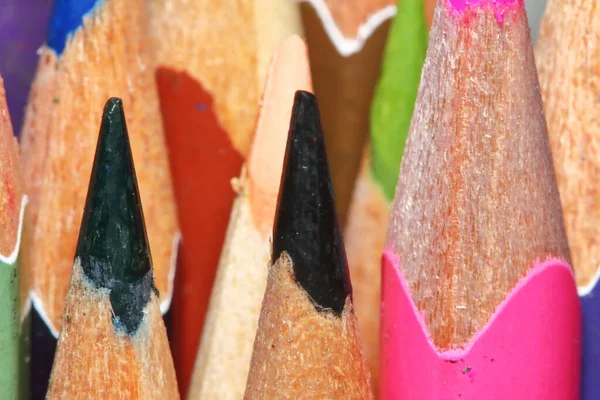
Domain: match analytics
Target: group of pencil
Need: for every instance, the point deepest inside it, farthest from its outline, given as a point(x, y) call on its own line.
point(194, 247)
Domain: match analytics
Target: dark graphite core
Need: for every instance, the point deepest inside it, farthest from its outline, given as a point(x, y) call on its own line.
point(113, 246)
point(306, 225)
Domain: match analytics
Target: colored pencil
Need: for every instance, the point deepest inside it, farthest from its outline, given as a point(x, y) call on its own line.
point(479, 300)
point(95, 49)
point(23, 26)
point(212, 59)
point(566, 56)
point(307, 345)
point(345, 44)
point(226, 347)
point(113, 343)
point(13, 374)
point(429, 10)
point(392, 109)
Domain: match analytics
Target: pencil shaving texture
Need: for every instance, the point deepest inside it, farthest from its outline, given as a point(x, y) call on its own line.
point(11, 185)
point(301, 352)
point(68, 99)
point(226, 345)
point(289, 72)
point(349, 15)
point(476, 203)
point(203, 38)
point(365, 240)
point(568, 61)
point(94, 361)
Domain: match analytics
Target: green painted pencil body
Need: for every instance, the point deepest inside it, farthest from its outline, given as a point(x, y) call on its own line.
point(12, 332)
point(396, 92)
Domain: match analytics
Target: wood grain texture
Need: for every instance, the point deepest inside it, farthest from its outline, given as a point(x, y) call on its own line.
point(95, 361)
point(568, 61)
point(223, 361)
point(302, 353)
point(365, 236)
point(476, 203)
point(11, 184)
point(106, 57)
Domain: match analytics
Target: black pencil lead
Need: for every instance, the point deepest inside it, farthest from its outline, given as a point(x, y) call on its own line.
point(306, 225)
point(113, 247)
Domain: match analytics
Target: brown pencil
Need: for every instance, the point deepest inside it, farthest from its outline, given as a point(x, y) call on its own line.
point(113, 343)
point(345, 43)
point(307, 345)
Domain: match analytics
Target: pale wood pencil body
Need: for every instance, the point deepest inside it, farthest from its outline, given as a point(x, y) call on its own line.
point(226, 346)
point(568, 60)
point(365, 236)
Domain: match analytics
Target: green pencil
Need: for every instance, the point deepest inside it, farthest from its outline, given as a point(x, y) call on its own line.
point(13, 382)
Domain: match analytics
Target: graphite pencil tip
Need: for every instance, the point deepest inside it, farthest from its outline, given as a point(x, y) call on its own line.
point(113, 246)
point(306, 225)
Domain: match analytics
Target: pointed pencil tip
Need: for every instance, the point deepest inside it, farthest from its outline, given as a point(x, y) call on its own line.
point(113, 247)
point(306, 225)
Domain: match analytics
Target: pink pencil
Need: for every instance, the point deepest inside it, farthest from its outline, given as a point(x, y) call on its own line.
point(479, 299)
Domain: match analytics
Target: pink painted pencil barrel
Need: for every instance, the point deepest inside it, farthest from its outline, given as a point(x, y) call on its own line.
point(479, 300)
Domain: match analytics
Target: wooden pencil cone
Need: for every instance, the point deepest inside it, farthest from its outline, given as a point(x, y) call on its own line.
point(479, 299)
point(307, 345)
point(113, 343)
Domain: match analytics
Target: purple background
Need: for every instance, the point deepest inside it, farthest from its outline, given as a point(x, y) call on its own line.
point(23, 28)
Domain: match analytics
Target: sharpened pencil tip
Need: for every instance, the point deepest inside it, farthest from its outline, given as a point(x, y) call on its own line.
point(113, 246)
point(306, 225)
